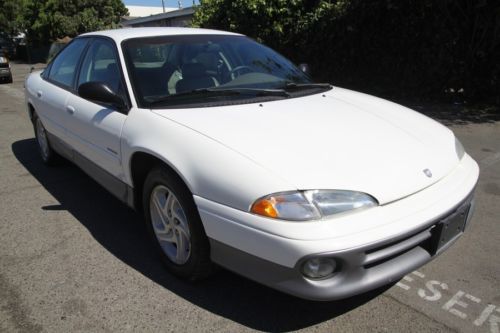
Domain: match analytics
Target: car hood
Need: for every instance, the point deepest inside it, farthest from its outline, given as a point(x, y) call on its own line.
point(336, 140)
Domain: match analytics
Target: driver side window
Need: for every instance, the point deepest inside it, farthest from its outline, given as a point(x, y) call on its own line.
point(101, 65)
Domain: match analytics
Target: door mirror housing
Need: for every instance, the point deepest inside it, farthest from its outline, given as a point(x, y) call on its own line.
point(305, 68)
point(101, 93)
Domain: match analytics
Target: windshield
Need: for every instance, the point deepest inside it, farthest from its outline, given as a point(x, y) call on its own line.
point(204, 70)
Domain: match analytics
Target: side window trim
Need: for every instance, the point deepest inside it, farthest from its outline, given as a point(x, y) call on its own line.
point(45, 74)
point(79, 65)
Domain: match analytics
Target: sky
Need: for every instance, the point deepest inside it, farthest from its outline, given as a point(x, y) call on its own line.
point(157, 3)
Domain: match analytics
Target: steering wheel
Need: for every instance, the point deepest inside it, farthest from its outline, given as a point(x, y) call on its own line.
point(237, 69)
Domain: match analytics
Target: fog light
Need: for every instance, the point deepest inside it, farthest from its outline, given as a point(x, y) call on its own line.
point(318, 268)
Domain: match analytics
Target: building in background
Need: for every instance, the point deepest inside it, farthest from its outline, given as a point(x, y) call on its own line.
point(143, 11)
point(173, 18)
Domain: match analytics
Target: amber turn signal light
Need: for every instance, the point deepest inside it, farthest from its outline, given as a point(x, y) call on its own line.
point(265, 207)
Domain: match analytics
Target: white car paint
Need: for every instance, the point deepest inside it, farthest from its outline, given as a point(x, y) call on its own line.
point(302, 141)
point(285, 242)
point(50, 101)
point(96, 133)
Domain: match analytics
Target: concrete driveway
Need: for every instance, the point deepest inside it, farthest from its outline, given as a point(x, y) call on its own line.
point(74, 259)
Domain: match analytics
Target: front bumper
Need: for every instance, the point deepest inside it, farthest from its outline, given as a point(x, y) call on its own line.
point(5, 73)
point(373, 248)
point(359, 270)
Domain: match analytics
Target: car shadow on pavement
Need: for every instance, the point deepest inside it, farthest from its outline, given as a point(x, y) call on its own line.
point(120, 230)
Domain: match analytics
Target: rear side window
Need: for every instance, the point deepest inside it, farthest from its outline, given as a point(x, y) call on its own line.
point(63, 68)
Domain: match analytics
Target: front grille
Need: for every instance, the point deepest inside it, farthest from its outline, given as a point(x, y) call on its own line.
point(382, 254)
point(4, 65)
point(427, 239)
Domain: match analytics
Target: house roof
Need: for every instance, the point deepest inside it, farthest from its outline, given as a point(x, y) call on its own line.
point(144, 11)
point(171, 14)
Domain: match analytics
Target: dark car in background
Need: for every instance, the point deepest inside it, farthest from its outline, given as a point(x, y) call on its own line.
point(5, 72)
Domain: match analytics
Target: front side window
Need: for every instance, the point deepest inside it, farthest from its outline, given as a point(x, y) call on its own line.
point(63, 68)
point(101, 65)
point(192, 70)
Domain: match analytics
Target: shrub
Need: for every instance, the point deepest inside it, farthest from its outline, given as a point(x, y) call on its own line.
point(395, 48)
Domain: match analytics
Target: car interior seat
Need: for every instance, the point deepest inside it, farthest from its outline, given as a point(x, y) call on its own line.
point(194, 76)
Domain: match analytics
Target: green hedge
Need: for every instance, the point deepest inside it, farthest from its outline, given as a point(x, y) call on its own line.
point(396, 48)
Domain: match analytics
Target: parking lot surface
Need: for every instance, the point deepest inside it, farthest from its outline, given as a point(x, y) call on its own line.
point(74, 259)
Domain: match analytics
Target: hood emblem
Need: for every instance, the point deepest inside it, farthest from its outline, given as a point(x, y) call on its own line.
point(428, 173)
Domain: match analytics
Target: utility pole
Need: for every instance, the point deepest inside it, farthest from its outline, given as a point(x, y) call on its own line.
point(163, 5)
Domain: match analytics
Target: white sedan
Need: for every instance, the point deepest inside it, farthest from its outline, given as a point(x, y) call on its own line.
point(237, 158)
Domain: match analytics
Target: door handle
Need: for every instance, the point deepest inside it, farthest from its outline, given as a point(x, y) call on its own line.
point(70, 109)
point(39, 93)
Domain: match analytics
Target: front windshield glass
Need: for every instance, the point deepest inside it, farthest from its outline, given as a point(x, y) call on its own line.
point(205, 70)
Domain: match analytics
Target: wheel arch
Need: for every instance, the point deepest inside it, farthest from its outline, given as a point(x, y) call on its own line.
point(141, 163)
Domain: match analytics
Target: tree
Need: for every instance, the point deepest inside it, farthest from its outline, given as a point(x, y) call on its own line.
point(46, 20)
point(272, 22)
point(10, 18)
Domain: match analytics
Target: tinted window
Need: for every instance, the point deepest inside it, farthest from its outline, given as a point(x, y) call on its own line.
point(101, 65)
point(64, 65)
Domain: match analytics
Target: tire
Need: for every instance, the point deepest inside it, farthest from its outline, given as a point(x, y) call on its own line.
point(174, 225)
point(48, 155)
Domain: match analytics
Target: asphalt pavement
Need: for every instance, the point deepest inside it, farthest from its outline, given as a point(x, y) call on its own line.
point(74, 259)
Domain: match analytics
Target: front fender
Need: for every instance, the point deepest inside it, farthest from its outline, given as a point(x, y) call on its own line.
point(208, 168)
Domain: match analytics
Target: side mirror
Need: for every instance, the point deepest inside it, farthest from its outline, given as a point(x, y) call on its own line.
point(101, 93)
point(305, 68)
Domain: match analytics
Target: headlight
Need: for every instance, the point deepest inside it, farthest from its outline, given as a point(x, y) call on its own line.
point(459, 149)
point(311, 205)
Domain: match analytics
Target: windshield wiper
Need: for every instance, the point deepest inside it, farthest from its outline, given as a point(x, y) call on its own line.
point(214, 92)
point(196, 92)
point(299, 86)
point(257, 91)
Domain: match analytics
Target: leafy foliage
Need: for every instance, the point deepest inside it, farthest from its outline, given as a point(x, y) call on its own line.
point(422, 48)
point(46, 20)
point(10, 16)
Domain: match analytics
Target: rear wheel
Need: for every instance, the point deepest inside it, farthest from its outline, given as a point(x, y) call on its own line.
point(48, 155)
point(175, 226)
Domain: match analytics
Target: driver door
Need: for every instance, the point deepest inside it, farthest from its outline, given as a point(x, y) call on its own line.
point(94, 130)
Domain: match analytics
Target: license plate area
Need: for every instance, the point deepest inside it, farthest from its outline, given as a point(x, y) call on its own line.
point(446, 230)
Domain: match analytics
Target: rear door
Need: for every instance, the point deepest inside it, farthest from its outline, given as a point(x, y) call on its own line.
point(53, 91)
point(94, 130)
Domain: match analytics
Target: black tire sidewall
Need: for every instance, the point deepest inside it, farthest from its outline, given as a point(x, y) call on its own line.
point(49, 159)
point(197, 266)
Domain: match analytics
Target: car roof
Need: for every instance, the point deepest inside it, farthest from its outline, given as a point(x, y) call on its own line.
point(126, 33)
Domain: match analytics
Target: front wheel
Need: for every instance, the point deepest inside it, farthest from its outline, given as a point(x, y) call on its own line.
point(175, 226)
